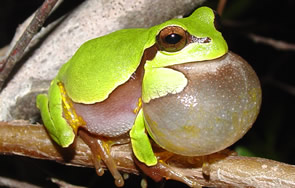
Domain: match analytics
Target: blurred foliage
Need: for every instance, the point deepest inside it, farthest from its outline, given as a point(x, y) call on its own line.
point(272, 134)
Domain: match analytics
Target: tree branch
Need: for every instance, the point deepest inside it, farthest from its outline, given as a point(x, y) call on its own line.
point(17, 52)
point(8, 182)
point(22, 138)
point(277, 44)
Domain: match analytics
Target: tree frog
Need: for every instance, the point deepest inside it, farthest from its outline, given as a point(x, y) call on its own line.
point(175, 83)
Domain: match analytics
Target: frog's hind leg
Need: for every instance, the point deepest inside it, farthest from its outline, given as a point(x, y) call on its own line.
point(101, 151)
point(99, 148)
point(51, 111)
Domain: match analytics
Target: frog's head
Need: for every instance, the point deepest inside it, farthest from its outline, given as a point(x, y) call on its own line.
point(190, 39)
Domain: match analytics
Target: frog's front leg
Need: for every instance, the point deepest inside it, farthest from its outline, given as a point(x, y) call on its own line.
point(62, 124)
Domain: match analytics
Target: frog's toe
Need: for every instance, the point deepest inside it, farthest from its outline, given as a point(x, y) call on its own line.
point(206, 166)
point(100, 151)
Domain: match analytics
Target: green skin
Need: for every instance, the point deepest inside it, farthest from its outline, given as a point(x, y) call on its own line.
point(129, 46)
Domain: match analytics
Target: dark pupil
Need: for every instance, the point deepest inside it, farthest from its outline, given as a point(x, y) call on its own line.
point(173, 38)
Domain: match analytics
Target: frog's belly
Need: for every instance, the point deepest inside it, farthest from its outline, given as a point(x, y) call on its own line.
point(114, 116)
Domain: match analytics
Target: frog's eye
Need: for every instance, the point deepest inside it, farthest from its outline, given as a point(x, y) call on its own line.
point(172, 39)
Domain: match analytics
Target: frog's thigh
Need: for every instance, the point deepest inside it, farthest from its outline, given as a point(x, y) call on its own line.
point(42, 104)
point(51, 112)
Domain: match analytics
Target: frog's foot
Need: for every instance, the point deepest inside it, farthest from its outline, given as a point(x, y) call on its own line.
point(100, 151)
point(162, 170)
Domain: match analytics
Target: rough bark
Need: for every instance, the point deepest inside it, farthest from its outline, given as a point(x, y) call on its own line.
point(226, 169)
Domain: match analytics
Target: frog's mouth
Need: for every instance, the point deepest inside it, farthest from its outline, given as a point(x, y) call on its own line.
point(212, 63)
point(220, 60)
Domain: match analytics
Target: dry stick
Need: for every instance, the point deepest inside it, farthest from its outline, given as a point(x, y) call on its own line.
point(17, 52)
point(221, 5)
point(63, 184)
point(29, 140)
point(7, 182)
point(277, 44)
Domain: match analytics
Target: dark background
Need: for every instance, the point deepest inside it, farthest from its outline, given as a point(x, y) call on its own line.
point(272, 135)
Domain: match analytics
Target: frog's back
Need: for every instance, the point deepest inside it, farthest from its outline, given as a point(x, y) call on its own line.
point(102, 64)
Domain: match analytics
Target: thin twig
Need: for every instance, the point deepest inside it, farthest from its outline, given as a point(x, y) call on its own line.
point(8, 182)
point(277, 44)
point(221, 5)
point(17, 52)
point(281, 85)
point(225, 170)
point(63, 184)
